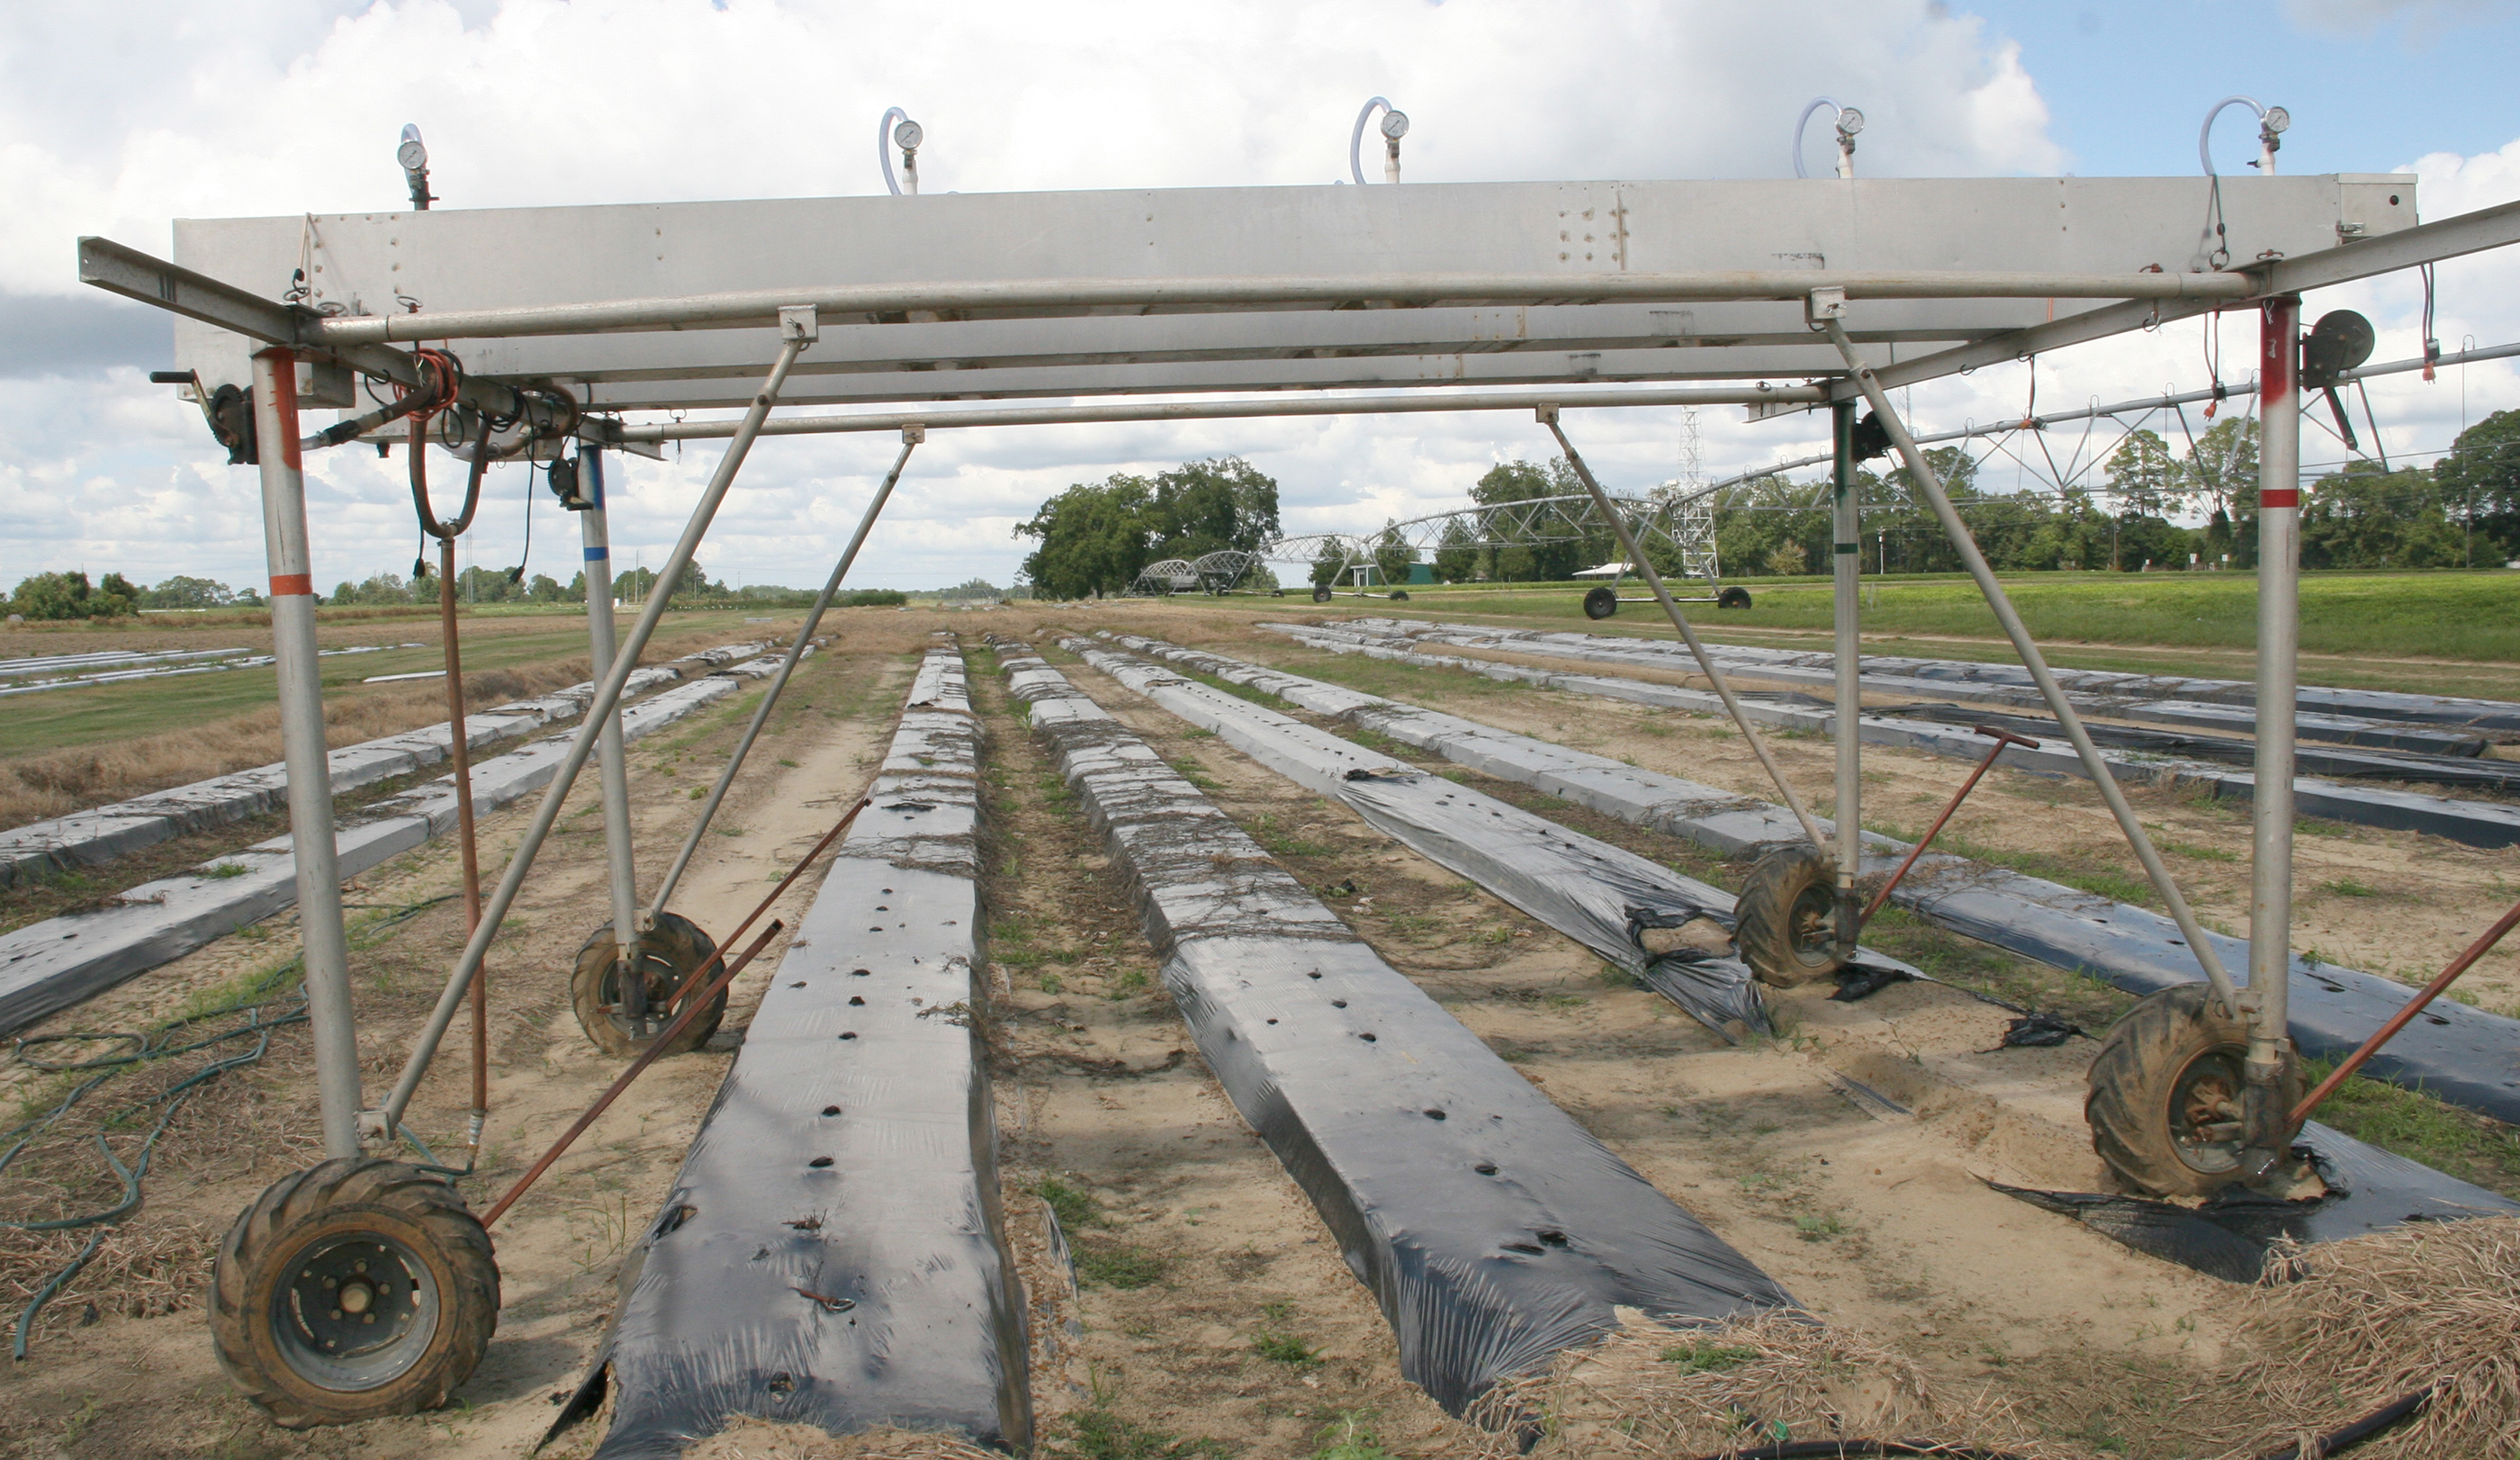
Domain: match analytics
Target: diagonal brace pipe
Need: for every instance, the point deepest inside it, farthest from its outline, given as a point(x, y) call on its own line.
point(1680, 621)
point(911, 436)
point(798, 329)
point(1930, 488)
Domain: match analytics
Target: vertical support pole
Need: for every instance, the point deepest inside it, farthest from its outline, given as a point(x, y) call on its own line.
point(1847, 550)
point(798, 328)
point(301, 738)
point(2278, 641)
point(1928, 485)
point(612, 772)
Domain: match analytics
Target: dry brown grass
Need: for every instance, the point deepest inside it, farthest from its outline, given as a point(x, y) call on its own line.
point(148, 1265)
point(2431, 1303)
point(35, 787)
point(1651, 1391)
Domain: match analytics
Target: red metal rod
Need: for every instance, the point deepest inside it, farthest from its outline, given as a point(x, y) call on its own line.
point(830, 837)
point(458, 744)
point(647, 1057)
point(2387, 1031)
point(2001, 739)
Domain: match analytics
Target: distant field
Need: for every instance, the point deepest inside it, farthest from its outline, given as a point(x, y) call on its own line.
point(2427, 616)
point(2448, 633)
point(493, 639)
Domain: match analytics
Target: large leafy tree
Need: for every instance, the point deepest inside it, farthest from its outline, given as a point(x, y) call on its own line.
point(1097, 535)
point(1392, 556)
point(1524, 482)
point(1094, 538)
point(2221, 475)
point(1456, 553)
point(69, 595)
point(1202, 506)
point(183, 592)
point(1327, 563)
point(2365, 517)
point(2144, 478)
point(2480, 488)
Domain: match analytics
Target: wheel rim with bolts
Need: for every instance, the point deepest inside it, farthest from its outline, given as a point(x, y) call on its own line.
point(354, 1311)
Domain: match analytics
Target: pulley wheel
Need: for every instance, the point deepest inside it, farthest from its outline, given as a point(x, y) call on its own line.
point(1600, 603)
point(359, 1289)
point(670, 957)
point(1399, 595)
point(1321, 594)
point(2167, 1091)
point(1733, 597)
point(1785, 919)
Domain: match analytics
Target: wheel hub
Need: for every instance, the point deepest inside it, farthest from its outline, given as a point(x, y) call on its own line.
point(2208, 1118)
point(1814, 924)
point(354, 1311)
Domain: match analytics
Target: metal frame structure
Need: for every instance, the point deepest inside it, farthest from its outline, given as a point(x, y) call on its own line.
point(1562, 290)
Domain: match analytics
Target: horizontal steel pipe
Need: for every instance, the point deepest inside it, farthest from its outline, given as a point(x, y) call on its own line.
point(1570, 399)
point(754, 307)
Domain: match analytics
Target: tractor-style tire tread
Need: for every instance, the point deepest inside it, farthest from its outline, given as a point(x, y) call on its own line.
point(1763, 929)
point(2131, 1081)
point(676, 940)
point(425, 1206)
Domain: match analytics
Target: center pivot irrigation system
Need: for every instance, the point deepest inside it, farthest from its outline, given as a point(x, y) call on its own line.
point(569, 333)
point(1678, 524)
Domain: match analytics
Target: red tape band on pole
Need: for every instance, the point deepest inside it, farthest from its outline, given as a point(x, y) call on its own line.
point(2279, 497)
point(285, 585)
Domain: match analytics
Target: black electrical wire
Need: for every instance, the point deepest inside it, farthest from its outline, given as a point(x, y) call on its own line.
point(1850, 1450)
point(146, 1047)
point(2334, 1442)
point(2338, 1442)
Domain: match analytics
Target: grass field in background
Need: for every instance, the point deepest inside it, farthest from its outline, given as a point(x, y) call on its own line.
point(2355, 626)
point(494, 638)
point(2472, 615)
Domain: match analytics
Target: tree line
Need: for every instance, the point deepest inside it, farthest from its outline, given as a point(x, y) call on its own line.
point(59, 596)
point(2461, 511)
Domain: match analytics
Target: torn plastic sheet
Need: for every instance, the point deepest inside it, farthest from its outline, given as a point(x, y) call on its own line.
point(1491, 1229)
point(2455, 1051)
point(2234, 1234)
point(2476, 823)
point(1602, 897)
point(833, 1252)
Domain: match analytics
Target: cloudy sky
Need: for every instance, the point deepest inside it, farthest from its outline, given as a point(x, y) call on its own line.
point(116, 117)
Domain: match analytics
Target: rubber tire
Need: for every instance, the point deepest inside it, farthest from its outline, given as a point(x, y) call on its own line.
point(1321, 595)
point(1399, 595)
point(345, 1194)
point(2137, 1072)
point(1600, 603)
point(1733, 597)
point(674, 950)
point(1763, 917)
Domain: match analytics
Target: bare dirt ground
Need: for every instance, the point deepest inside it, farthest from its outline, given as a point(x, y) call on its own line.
point(103, 1381)
point(1210, 1314)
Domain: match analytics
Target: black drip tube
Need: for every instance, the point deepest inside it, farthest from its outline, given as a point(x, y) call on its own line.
point(2334, 1442)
